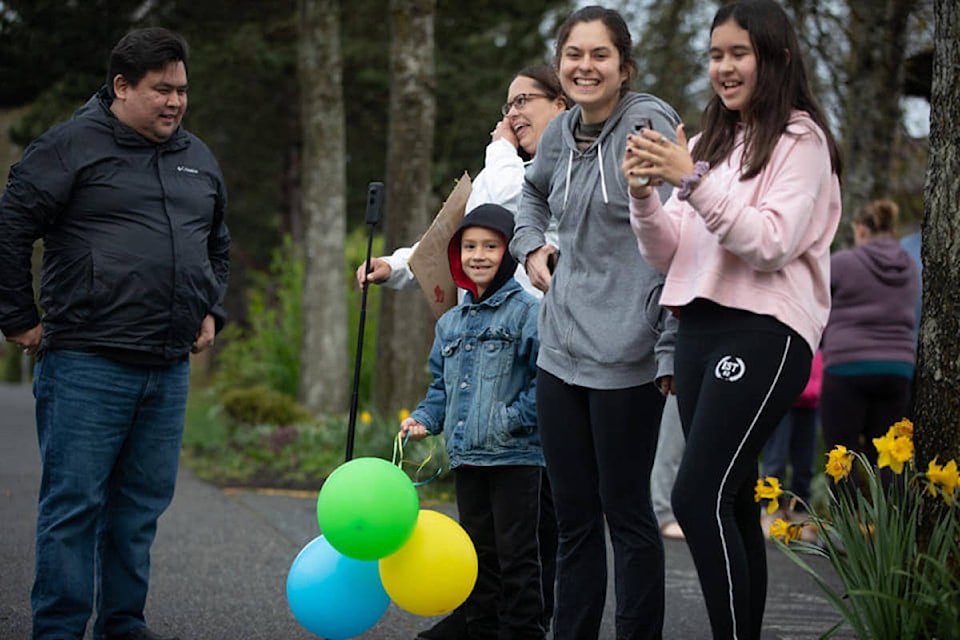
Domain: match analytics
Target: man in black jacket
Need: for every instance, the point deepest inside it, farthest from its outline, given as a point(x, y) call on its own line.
point(130, 207)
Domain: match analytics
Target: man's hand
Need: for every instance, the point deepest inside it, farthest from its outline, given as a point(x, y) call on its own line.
point(29, 340)
point(208, 328)
point(379, 272)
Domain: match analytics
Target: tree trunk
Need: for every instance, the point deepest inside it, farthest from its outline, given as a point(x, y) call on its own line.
point(872, 107)
point(937, 432)
point(324, 376)
point(668, 61)
point(406, 325)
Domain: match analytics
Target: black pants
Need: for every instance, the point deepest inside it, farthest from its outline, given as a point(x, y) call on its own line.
point(857, 409)
point(548, 548)
point(499, 509)
point(737, 374)
point(599, 447)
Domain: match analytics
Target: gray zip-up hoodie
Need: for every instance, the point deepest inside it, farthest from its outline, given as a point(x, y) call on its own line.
point(601, 324)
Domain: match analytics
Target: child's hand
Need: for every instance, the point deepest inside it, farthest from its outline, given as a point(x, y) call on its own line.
point(413, 429)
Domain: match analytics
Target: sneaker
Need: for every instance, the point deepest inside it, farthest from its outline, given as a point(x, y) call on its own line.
point(671, 530)
point(141, 633)
point(453, 627)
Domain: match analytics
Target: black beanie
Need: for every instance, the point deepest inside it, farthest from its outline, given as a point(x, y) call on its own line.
point(490, 216)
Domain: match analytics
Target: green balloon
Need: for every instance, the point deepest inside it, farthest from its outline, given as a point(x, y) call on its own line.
point(367, 508)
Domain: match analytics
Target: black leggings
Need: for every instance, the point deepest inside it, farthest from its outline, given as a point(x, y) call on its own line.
point(599, 446)
point(737, 374)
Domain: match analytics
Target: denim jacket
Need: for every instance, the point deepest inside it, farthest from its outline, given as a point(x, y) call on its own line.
point(484, 365)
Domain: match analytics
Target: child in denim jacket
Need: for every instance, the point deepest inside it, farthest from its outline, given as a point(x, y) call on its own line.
point(483, 363)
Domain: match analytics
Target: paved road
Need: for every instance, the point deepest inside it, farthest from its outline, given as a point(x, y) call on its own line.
point(221, 558)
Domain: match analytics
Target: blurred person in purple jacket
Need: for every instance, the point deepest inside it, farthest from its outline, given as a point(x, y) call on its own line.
point(868, 345)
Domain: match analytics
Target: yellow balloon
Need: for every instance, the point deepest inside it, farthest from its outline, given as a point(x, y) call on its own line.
point(434, 572)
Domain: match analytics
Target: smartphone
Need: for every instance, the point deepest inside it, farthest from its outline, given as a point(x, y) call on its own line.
point(636, 127)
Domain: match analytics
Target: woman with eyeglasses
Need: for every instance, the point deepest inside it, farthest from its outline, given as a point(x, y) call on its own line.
point(605, 342)
point(534, 98)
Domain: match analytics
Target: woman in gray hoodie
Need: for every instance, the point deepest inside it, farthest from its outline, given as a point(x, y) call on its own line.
point(605, 346)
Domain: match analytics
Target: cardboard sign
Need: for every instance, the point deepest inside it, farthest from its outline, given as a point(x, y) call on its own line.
point(429, 262)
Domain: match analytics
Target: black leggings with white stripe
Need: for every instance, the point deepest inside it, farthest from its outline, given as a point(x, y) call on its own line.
point(737, 373)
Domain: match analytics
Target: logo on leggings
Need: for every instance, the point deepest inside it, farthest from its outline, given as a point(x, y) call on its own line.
point(730, 369)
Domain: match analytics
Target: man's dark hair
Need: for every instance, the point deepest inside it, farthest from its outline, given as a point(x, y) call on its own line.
point(143, 50)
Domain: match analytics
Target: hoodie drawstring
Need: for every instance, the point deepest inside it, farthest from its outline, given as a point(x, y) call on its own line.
point(566, 188)
point(603, 181)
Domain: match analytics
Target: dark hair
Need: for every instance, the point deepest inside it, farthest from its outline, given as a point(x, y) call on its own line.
point(547, 81)
point(143, 50)
point(619, 34)
point(782, 86)
point(879, 216)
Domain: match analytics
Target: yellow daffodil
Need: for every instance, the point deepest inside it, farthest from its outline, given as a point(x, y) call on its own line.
point(945, 477)
point(893, 451)
point(403, 414)
point(768, 489)
point(365, 417)
point(903, 428)
point(785, 531)
point(839, 462)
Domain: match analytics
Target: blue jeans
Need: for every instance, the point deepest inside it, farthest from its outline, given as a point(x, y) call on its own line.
point(109, 437)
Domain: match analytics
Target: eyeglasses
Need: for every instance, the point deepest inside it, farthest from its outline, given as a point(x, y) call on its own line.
point(520, 101)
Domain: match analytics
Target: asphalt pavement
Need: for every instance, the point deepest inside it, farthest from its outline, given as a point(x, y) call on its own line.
point(221, 557)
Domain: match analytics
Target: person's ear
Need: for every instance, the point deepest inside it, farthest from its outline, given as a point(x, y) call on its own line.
point(120, 86)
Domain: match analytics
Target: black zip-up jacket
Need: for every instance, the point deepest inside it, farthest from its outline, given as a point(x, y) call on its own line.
point(135, 247)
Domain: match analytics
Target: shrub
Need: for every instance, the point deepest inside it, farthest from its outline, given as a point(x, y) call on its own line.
point(260, 405)
point(267, 352)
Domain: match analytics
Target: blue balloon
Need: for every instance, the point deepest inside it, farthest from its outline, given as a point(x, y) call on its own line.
point(333, 596)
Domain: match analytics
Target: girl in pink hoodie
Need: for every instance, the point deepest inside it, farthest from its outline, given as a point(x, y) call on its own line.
point(744, 241)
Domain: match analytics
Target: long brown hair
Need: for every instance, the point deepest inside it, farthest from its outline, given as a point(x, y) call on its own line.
point(782, 87)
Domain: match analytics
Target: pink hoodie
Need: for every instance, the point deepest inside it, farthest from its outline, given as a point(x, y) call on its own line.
point(762, 245)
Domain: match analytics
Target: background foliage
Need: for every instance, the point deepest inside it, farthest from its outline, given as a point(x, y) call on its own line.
point(244, 104)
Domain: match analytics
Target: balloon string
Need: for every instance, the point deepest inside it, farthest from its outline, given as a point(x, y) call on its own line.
point(398, 460)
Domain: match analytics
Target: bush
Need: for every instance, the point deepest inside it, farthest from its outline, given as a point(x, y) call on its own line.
point(263, 406)
point(249, 430)
point(267, 352)
point(299, 455)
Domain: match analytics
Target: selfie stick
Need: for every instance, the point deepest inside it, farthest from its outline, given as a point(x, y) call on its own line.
point(374, 208)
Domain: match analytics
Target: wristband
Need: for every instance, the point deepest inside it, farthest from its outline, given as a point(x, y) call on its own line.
point(687, 183)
